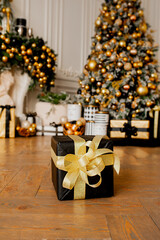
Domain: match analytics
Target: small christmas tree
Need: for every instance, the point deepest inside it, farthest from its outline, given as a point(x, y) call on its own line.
point(121, 73)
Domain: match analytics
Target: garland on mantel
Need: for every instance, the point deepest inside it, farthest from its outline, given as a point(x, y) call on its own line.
point(32, 56)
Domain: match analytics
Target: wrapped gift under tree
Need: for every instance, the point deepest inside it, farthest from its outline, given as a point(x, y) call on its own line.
point(7, 121)
point(82, 167)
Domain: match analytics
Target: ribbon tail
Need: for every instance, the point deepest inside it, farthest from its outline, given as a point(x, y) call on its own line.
point(116, 164)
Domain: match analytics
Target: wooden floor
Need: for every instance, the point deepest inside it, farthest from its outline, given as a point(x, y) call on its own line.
point(29, 208)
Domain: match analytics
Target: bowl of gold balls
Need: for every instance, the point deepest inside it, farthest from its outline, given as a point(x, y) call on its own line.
point(74, 127)
point(26, 129)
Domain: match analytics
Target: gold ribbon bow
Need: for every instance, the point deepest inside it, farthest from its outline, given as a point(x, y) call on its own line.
point(84, 163)
point(156, 119)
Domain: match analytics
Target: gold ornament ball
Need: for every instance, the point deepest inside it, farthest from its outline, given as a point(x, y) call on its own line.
point(130, 97)
point(5, 59)
point(49, 65)
point(27, 61)
point(105, 46)
point(29, 67)
point(43, 56)
point(8, 10)
point(40, 65)
point(154, 75)
point(36, 58)
point(87, 99)
point(8, 51)
point(133, 115)
point(49, 60)
point(41, 85)
point(87, 87)
point(119, 34)
point(23, 47)
point(135, 65)
point(134, 35)
point(141, 13)
point(23, 52)
point(137, 110)
point(104, 91)
point(118, 94)
point(103, 70)
point(98, 22)
point(148, 103)
point(97, 101)
point(153, 87)
point(104, 27)
point(139, 35)
point(133, 51)
point(11, 55)
point(7, 40)
point(37, 75)
point(122, 43)
point(110, 77)
point(143, 27)
point(52, 83)
point(114, 106)
point(40, 80)
point(147, 58)
point(48, 50)
point(2, 37)
point(42, 74)
point(127, 66)
point(125, 59)
point(29, 51)
point(34, 45)
point(142, 90)
point(108, 53)
point(92, 79)
point(3, 46)
point(100, 66)
point(107, 14)
point(105, 8)
point(140, 64)
point(98, 37)
point(113, 18)
point(120, 64)
point(126, 87)
point(139, 72)
point(129, 48)
point(3, 10)
point(44, 47)
point(98, 90)
point(133, 18)
point(99, 84)
point(113, 40)
point(92, 65)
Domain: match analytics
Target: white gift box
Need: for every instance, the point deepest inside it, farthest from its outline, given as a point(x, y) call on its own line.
point(49, 131)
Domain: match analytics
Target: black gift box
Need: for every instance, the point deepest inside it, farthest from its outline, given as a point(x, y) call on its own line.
point(63, 145)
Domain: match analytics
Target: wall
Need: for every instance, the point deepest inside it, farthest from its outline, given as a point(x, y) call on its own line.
point(67, 26)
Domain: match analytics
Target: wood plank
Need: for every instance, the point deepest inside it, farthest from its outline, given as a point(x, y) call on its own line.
point(152, 206)
point(59, 225)
point(25, 183)
point(111, 206)
point(132, 228)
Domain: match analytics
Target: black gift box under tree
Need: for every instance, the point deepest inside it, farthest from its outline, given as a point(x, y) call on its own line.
point(64, 145)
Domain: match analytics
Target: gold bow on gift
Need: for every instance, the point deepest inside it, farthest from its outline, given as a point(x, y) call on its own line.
point(156, 119)
point(84, 163)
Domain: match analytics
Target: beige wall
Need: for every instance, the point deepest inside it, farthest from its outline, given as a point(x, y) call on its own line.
point(67, 26)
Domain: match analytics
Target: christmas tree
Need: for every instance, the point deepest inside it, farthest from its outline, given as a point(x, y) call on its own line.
point(121, 73)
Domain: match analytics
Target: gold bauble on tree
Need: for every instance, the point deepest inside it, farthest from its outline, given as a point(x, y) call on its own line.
point(142, 90)
point(92, 65)
point(133, 51)
point(127, 66)
point(143, 27)
point(122, 43)
point(98, 22)
point(133, 17)
point(92, 79)
point(118, 94)
point(5, 59)
point(149, 103)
